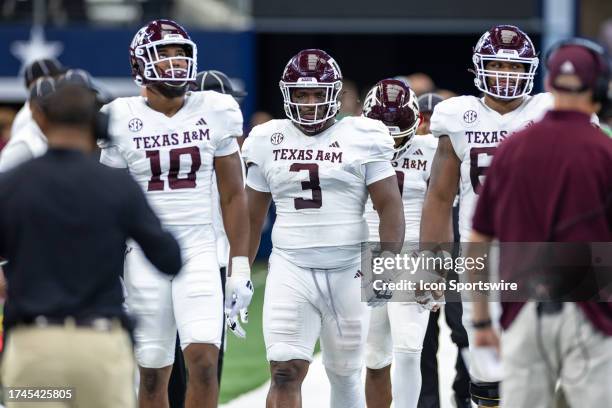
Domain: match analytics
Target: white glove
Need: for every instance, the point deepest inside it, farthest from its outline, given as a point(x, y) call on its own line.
point(234, 325)
point(376, 298)
point(431, 300)
point(238, 294)
point(427, 302)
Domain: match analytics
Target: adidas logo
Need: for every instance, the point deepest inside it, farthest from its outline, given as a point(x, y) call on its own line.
point(418, 152)
point(201, 122)
point(335, 144)
point(359, 274)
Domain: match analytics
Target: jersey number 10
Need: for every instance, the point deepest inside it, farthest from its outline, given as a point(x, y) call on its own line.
point(174, 182)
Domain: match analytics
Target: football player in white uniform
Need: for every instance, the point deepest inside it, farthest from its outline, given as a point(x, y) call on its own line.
point(27, 140)
point(318, 172)
point(46, 67)
point(397, 329)
point(469, 129)
point(170, 142)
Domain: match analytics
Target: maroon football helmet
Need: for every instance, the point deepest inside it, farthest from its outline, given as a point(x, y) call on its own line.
point(144, 54)
point(393, 102)
point(505, 43)
point(312, 69)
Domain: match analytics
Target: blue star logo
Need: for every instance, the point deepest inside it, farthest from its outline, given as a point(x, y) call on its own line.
point(35, 48)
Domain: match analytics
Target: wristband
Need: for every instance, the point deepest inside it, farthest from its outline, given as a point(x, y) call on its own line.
point(483, 324)
point(241, 267)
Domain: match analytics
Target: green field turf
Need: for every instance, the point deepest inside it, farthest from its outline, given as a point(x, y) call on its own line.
point(245, 366)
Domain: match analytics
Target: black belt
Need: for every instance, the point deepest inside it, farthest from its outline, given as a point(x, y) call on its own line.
point(96, 323)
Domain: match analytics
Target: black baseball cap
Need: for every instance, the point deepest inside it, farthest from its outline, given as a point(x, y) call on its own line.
point(43, 67)
point(77, 77)
point(428, 101)
point(216, 81)
point(69, 100)
point(43, 87)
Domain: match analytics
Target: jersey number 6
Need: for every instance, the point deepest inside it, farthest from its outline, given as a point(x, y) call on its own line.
point(174, 182)
point(477, 170)
point(311, 184)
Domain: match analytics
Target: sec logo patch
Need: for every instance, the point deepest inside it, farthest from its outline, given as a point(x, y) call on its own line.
point(470, 116)
point(277, 138)
point(135, 125)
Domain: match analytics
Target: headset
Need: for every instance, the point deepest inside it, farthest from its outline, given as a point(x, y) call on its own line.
point(602, 93)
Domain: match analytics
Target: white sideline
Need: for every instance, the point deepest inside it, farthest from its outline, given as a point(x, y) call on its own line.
point(315, 391)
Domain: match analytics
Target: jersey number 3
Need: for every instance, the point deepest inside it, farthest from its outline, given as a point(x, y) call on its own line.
point(174, 182)
point(311, 184)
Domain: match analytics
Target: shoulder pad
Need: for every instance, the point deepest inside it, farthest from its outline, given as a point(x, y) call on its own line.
point(448, 115)
point(368, 137)
point(216, 101)
point(259, 138)
point(544, 97)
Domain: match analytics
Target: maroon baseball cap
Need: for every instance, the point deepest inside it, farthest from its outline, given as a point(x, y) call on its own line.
point(574, 68)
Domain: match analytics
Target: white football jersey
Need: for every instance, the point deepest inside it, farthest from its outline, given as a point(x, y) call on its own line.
point(475, 130)
point(412, 168)
point(171, 158)
point(317, 182)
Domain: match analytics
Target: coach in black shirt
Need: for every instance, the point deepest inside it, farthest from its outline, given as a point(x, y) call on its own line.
point(64, 220)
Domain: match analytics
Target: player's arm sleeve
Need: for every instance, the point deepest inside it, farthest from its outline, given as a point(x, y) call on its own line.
point(251, 148)
point(233, 118)
point(253, 157)
point(111, 156)
point(443, 123)
point(159, 246)
point(14, 154)
point(226, 147)
point(376, 171)
point(256, 180)
point(442, 119)
point(372, 144)
point(381, 147)
point(227, 144)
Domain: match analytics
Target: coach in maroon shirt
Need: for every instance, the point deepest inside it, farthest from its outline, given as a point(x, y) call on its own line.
point(556, 171)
